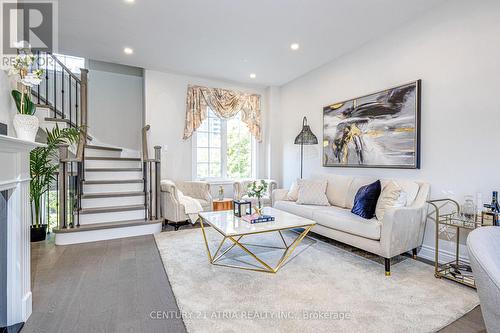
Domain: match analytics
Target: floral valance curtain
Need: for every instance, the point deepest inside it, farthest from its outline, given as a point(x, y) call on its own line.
point(225, 104)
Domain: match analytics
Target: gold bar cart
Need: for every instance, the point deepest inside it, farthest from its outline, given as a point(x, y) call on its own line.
point(454, 219)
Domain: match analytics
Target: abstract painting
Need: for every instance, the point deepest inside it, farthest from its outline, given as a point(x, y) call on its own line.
point(380, 130)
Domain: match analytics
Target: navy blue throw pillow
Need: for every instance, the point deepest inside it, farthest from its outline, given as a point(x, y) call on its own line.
point(366, 199)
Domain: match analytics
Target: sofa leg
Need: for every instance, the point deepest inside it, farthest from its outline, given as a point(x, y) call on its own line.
point(387, 267)
point(414, 252)
point(176, 226)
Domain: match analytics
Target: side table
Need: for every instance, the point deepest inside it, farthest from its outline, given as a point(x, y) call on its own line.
point(455, 270)
point(224, 204)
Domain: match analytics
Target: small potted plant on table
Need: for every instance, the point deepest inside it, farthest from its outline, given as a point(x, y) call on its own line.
point(257, 190)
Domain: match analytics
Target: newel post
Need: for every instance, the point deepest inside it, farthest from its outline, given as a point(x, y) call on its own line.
point(157, 181)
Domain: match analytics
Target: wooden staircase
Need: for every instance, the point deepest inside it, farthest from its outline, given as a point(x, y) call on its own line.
point(113, 200)
point(102, 194)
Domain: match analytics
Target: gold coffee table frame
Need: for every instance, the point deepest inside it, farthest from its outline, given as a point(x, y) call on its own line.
point(235, 239)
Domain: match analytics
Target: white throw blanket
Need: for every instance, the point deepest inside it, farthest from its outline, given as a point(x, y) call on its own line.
point(191, 206)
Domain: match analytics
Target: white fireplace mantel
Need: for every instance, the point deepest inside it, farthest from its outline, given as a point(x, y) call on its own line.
point(14, 178)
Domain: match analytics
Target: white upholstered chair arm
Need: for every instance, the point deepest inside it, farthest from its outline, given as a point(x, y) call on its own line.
point(279, 194)
point(171, 208)
point(401, 229)
point(272, 185)
point(240, 188)
point(168, 186)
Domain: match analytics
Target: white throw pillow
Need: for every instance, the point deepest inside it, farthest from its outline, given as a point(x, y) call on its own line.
point(392, 196)
point(411, 188)
point(293, 194)
point(313, 192)
point(337, 188)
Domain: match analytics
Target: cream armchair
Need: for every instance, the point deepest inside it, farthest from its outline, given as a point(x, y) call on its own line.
point(241, 189)
point(172, 210)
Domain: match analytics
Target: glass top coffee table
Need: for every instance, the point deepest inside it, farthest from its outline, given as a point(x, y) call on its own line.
point(234, 229)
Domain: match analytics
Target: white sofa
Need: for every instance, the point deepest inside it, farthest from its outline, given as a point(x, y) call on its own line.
point(240, 189)
point(400, 230)
point(172, 210)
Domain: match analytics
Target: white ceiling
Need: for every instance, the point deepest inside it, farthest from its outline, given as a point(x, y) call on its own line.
point(228, 39)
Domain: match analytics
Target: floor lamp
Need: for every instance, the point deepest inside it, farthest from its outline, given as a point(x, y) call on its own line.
point(305, 137)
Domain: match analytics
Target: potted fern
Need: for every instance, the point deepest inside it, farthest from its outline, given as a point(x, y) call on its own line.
point(43, 167)
point(25, 122)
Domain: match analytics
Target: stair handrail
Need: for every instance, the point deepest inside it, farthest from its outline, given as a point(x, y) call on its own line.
point(63, 66)
point(65, 88)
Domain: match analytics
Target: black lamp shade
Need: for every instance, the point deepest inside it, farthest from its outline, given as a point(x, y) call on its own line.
point(306, 136)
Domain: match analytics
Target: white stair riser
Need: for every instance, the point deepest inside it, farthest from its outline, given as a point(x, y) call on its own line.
point(114, 175)
point(112, 217)
point(106, 188)
point(104, 234)
point(112, 201)
point(50, 125)
point(89, 152)
point(112, 164)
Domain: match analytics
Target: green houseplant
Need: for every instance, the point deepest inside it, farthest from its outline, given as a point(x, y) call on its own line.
point(23, 68)
point(43, 166)
point(257, 190)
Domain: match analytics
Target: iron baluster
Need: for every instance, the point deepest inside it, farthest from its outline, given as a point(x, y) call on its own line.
point(145, 187)
point(62, 93)
point(38, 67)
point(69, 103)
point(46, 78)
point(76, 102)
point(150, 190)
point(55, 89)
point(157, 181)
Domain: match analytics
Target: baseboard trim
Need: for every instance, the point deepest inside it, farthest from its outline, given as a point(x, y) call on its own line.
point(27, 306)
point(428, 252)
point(107, 234)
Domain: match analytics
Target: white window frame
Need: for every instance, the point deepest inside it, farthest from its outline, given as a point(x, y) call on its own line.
point(223, 178)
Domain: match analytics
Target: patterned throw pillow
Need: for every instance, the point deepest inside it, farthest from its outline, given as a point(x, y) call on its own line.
point(313, 192)
point(366, 199)
point(293, 194)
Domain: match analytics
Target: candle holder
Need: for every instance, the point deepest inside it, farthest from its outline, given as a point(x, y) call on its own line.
point(242, 207)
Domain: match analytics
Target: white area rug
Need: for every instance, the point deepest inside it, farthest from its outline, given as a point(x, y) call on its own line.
point(321, 289)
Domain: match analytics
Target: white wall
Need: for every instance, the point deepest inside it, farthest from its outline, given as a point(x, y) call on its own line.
point(455, 50)
point(7, 105)
point(165, 105)
point(116, 104)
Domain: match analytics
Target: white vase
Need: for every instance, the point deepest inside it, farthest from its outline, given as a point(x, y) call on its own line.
point(26, 126)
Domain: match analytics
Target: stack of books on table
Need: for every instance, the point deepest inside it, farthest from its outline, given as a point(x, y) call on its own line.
point(255, 218)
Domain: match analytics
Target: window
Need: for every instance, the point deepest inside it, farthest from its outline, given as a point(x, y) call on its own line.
point(223, 149)
point(73, 63)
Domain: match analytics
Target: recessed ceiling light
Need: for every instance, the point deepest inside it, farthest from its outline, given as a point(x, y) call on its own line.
point(128, 50)
point(129, 1)
point(294, 46)
point(253, 76)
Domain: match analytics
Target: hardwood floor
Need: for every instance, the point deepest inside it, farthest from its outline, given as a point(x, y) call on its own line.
point(472, 322)
point(108, 286)
point(113, 286)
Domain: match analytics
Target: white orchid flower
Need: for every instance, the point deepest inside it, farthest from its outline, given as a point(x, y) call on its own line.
point(31, 80)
